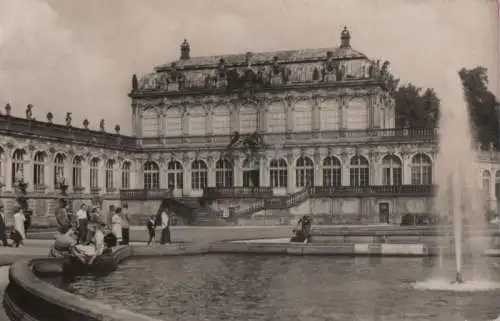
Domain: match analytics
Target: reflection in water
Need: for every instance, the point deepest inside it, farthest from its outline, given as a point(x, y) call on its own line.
point(244, 287)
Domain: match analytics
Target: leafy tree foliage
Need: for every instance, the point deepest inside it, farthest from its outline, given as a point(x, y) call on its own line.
point(416, 108)
point(483, 106)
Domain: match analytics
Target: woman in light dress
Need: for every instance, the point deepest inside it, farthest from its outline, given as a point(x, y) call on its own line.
point(116, 224)
point(19, 220)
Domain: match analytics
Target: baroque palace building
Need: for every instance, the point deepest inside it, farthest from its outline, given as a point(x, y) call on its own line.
point(281, 133)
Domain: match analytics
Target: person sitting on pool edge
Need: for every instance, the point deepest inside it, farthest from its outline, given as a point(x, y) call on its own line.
point(67, 245)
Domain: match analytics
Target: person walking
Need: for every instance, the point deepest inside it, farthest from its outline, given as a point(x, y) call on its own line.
point(116, 224)
point(62, 217)
point(151, 226)
point(82, 223)
point(3, 227)
point(165, 228)
point(125, 225)
point(19, 232)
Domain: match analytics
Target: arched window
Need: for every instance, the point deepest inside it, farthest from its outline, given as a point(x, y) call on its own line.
point(223, 173)
point(151, 175)
point(126, 175)
point(421, 170)
point(278, 173)
point(304, 170)
point(39, 169)
point(110, 174)
point(199, 174)
point(497, 185)
point(94, 173)
point(175, 175)
point(77, 172)
point(486, 184)
point(391, 170)
point(59, 169)
point(18, 166)
point(359, 172)
point(332, 172)
point(251, 172)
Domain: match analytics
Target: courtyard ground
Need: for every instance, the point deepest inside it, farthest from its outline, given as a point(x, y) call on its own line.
point(188, 234)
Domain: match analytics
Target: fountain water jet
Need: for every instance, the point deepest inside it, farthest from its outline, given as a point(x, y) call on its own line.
point(460, 199)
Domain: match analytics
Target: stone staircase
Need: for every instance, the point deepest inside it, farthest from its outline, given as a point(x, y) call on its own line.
point(275, 203)
point(192, 212)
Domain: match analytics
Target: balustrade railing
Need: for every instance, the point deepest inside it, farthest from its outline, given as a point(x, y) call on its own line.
point(249, 209)
point(327, 191)
point(228, 192)
point(145, 194)
point(31, 127)
point(273, 138)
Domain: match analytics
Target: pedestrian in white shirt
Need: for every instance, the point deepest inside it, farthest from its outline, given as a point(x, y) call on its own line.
point(82, 223)
point(116, 224)
point(165, 228)
point(19, 220)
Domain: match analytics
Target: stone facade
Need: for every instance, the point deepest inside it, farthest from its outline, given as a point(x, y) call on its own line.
point(324, 117)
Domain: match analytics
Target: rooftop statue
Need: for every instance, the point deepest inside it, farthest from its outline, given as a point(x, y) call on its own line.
point(29, 111)
point(101, 125)
point(86, 123)
point(68, 119)
point(135, 83)
point(8, 108)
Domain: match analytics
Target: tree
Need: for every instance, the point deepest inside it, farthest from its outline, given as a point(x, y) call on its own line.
point(415, 109)
point(483, 106)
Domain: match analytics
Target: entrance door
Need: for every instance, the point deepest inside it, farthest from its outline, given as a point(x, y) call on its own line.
point(383, 212)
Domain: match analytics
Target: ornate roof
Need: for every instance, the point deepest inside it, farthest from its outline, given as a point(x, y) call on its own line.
point(256, 71)
point(284, 56)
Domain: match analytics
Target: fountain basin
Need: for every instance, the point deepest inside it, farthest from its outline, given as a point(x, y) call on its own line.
point(283, 287)
point(30, 293)
point(429, 235)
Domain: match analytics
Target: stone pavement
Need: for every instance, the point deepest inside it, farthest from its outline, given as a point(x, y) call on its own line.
point(198, 234)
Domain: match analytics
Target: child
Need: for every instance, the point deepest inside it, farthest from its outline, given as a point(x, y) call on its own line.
point(151, 226)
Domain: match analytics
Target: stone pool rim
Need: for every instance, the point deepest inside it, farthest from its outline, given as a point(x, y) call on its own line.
point(24, 283)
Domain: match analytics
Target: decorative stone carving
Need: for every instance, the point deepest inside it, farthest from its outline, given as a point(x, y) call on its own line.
point(68, 119)
point(102, 125)
point(29, 111)
point(135, 83)
point(330, 67)
point(278, 73)
point(50, 117)
point(117, 129)
point(8, 108)
point(86, 123)
point(175, 79)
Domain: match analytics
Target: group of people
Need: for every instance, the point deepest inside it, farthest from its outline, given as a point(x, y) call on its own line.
point(17, 232)
point(117, 222)
point(90, 233)
point(164, 222)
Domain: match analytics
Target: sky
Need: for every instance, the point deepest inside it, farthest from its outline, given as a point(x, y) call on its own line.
point(78, 56)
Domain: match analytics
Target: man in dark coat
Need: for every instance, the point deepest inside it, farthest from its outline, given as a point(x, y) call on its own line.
point(3, 227)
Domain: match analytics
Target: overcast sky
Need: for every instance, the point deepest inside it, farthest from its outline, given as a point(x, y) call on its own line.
point(78, 56)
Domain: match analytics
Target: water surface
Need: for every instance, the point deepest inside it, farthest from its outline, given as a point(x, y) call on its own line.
point(260, 287)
